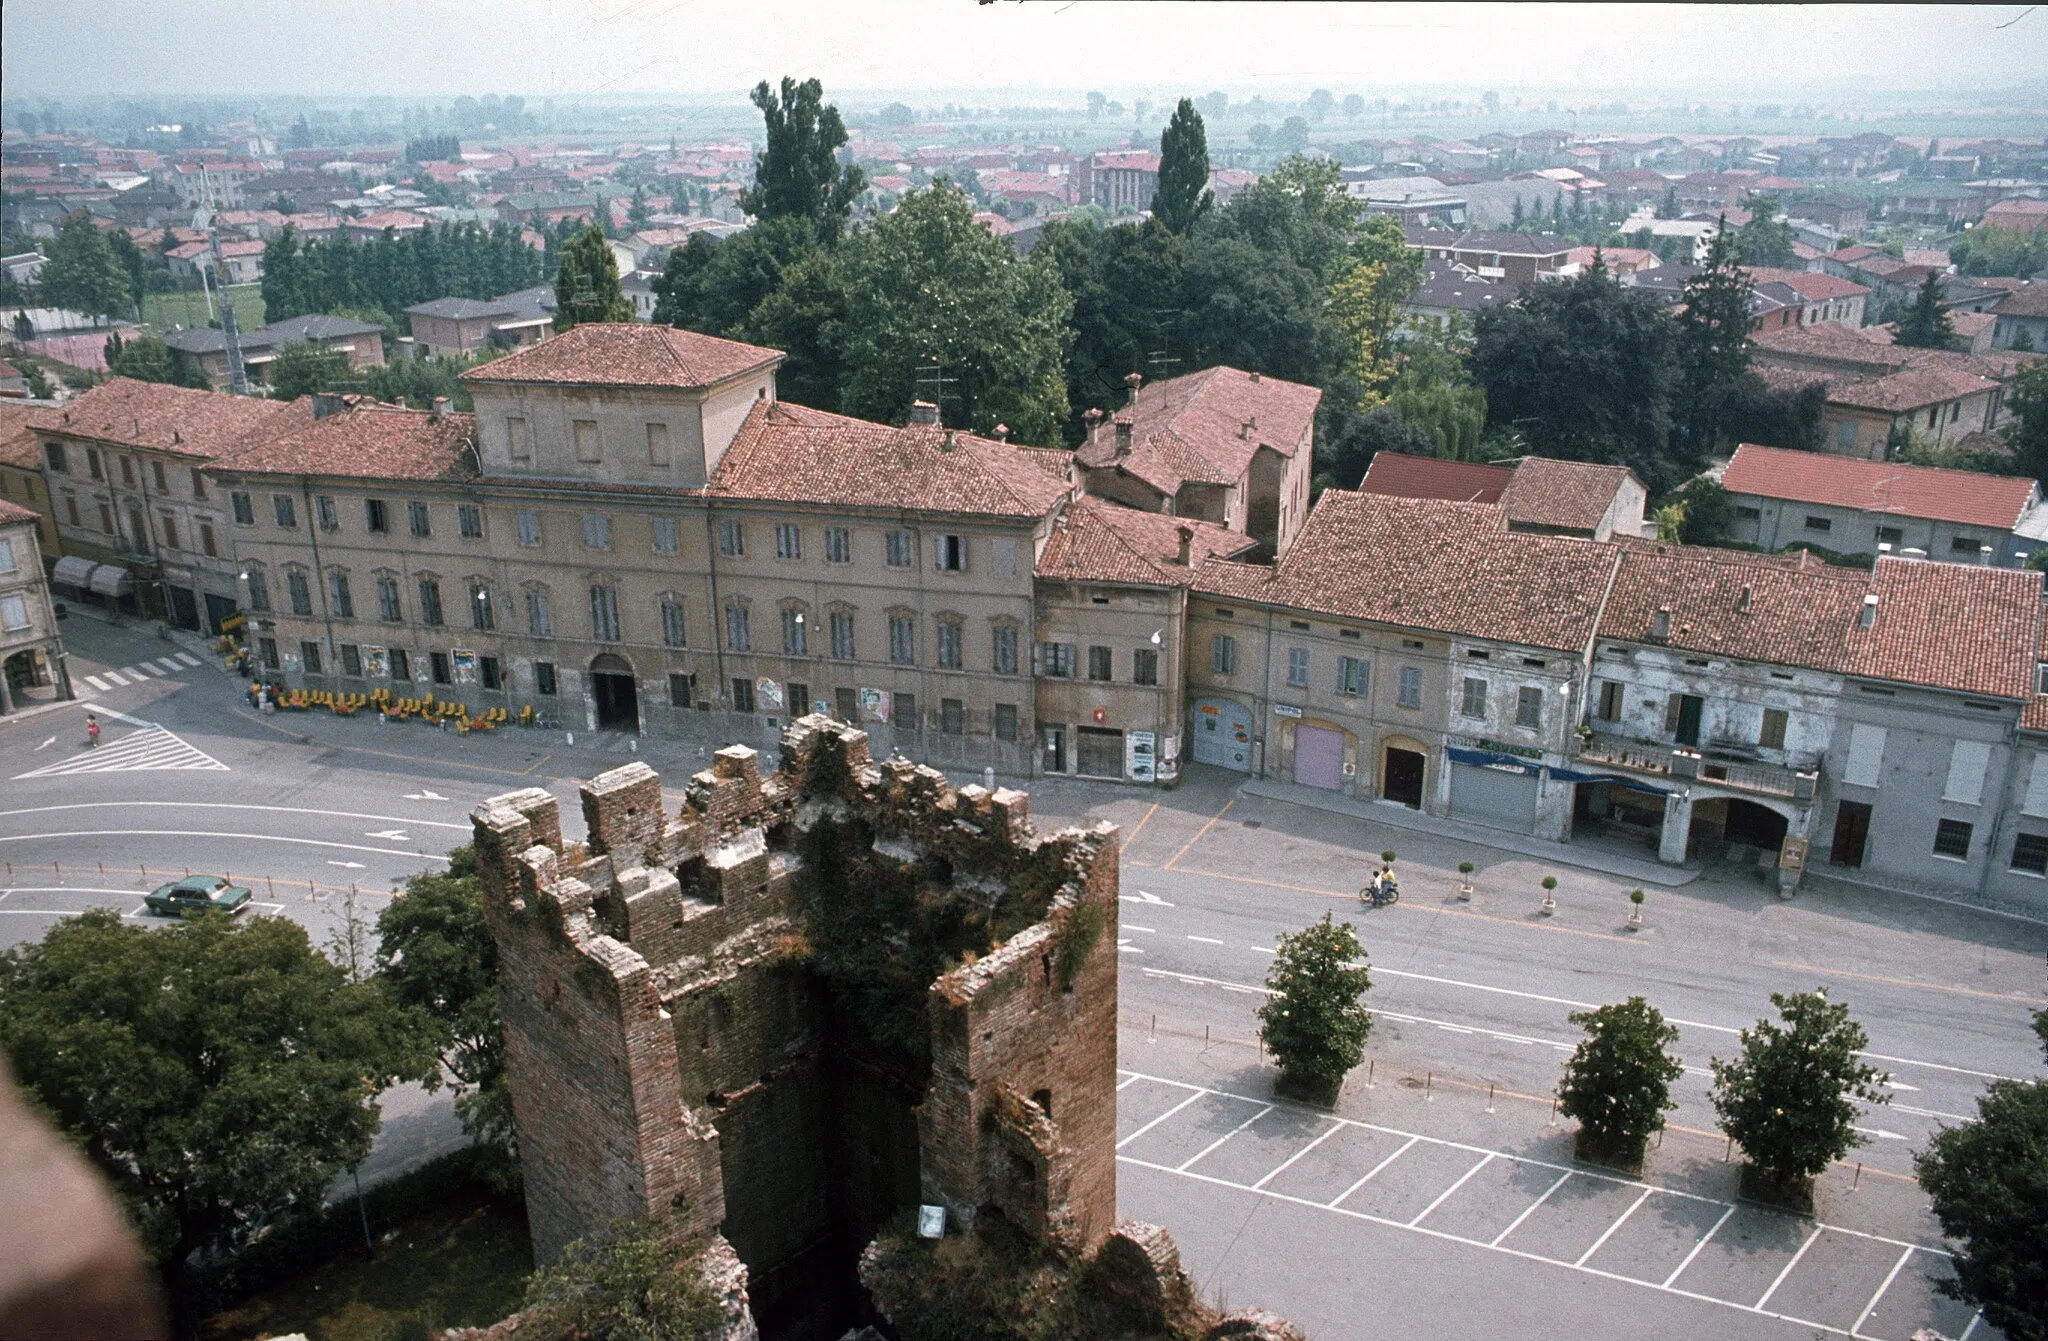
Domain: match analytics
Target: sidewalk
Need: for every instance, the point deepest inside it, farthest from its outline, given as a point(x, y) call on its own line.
point(1582, 855)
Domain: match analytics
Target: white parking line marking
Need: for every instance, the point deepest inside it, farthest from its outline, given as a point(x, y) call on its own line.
point(1445, 1195)
point(1971, 1330)
point(1372, 1174)
point(1149, 931)
point(187, 659)
point(99, 686)
point(1869, 1308)
point(1328, 1132)
point(245, 837)
point(1205, 940)
point(1126, 1083)
point(1194, 1160)
point(47, 743)
point(1679, 1270)
point(1516, 1223)
point(1786, 1270)
point(1608, 1233)
point(230, 805)
point(1161, 1118)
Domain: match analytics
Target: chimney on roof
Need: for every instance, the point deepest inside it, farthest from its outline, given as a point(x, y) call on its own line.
point(923, 412)
point(1132, 381)
point(326, 403)
point(1660, 625)
point(1187, 540)
point(441, 404)
point(1001, 433)
point(946, 443)
point(1255, 374)
point(1123, 437)
point(1093, 419)
point(1742, 605)
point(1984, 555)
point(1884, 548)
point(1867, 616)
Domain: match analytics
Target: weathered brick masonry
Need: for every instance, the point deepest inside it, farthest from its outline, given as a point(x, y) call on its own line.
point(691, 1020)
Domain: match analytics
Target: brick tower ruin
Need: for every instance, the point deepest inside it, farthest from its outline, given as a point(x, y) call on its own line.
point(803, 1004)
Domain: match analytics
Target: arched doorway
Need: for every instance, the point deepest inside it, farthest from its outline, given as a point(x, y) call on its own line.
point(22, 673)
point(617, 696)
point(1404, 765)
point(1757, 825)
point(1730, 828)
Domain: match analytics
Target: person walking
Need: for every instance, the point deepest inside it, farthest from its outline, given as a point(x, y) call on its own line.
point(92, 731)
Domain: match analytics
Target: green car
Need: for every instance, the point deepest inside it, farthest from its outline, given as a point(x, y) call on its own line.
point(194, 895)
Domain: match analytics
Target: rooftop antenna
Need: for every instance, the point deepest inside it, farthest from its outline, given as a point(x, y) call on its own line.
point(933, 375)
point(231, 338)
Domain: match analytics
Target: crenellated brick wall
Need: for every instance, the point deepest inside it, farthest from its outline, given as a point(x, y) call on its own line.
point(671, 1041)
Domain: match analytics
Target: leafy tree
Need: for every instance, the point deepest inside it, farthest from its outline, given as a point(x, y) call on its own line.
point(1618, 1081)
point(1788, 1100)
point(1517, 219)
point(1668, 207)
point(1313, 1021)
point(435, 956)
point(1125, 282)
point(148, 359)
point(420, 382)
point(587, 287)
point(38, 381)
point(630, 1280)
point(1765, 239)
point(2027, 394)
point(806, 318)
point(1350, 440)
point(1703, 512)
point(134, 264)
point(300, 369)
point(1321, 103)
point(1183, 196)
point(1292, 137)
point(219, 1073)
point(1365, 302)
point(1925, 324)
point(1354, 106)
point(798, 174)
point(928, 285)
point(1713, 345)
point(638, 213)
point(1988, 1180)
point(1583, 369)
point(2000, 251)
point(83, 274)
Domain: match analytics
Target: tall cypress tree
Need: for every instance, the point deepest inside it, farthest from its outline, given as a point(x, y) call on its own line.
point(587, 286)
point(1183, 196)
point(798, 173)
point(1713, 339)
point(1925, 325)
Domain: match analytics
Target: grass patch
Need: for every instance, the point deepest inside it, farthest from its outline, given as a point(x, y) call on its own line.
point(165, 312)
point(463, 1263)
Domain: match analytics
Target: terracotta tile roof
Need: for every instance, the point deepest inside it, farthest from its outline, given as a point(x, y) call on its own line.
point(1205, 427)
point(628, 354)
point(1562, 495)
point(1909, 389)
point(1951, 626)
point(366, 441)
point(15, 512)
point(1427, 477)
point(1103, 542)
point(795, 454)
point(1962, 496)
point(18, 445)
point(1812, 285)
point(2029, 301)
point(2034, 717)
point(1728, 604)
point(177, 420)
point(1421, 563)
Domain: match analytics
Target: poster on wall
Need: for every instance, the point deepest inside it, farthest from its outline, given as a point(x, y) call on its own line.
point(822, 707)
point(464, 663)
point(1140, 758)
point(874, 705)
point(376, 663)
point(768, 694)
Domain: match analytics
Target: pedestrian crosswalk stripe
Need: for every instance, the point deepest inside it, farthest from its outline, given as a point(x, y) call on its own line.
point(186, 658)
point(96, 682)
point(113, 676)
point(150, 750)
point(135, 672)
point(163, 664)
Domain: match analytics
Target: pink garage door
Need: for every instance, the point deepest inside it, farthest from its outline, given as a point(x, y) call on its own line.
point(1319, 757)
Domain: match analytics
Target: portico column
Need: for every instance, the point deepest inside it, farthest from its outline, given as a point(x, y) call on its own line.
point(1677, 828)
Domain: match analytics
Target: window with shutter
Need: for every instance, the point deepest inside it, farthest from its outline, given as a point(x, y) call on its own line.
point(1966, 764)
point(1866, 756)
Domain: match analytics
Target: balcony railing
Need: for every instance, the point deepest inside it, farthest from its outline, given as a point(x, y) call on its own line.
point(1657, 760)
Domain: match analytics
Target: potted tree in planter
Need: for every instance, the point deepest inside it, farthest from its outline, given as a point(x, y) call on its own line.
point(1618, 1082)
point(1549, 905)
point(1789, 1098)
point(1314, 1023)
point(1635, 913)
point(1465, 869)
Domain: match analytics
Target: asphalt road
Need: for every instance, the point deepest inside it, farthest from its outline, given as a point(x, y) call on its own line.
point(1440, 1199)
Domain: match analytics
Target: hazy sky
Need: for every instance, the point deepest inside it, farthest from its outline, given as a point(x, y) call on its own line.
point(561, 48)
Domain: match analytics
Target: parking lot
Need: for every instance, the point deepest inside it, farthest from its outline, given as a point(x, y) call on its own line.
point(1739, 1269)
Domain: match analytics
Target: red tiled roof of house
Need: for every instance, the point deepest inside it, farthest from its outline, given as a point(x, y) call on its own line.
point(1402, 476)
point(794, 454)
point(15, 512)
point(18, 446)
point(1205, 427)
point(1104, 542)
point(173, 419)
point(1562, 495)
point(365, 441)
point(1423, 563)
point(1908, 389)
point(1811, 285)
point(628, 354)
point(2030, 300)
point(1961, 496)
point(2034, 717)
point(1731, 604)
point(1951, 626)
point(402, 220)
